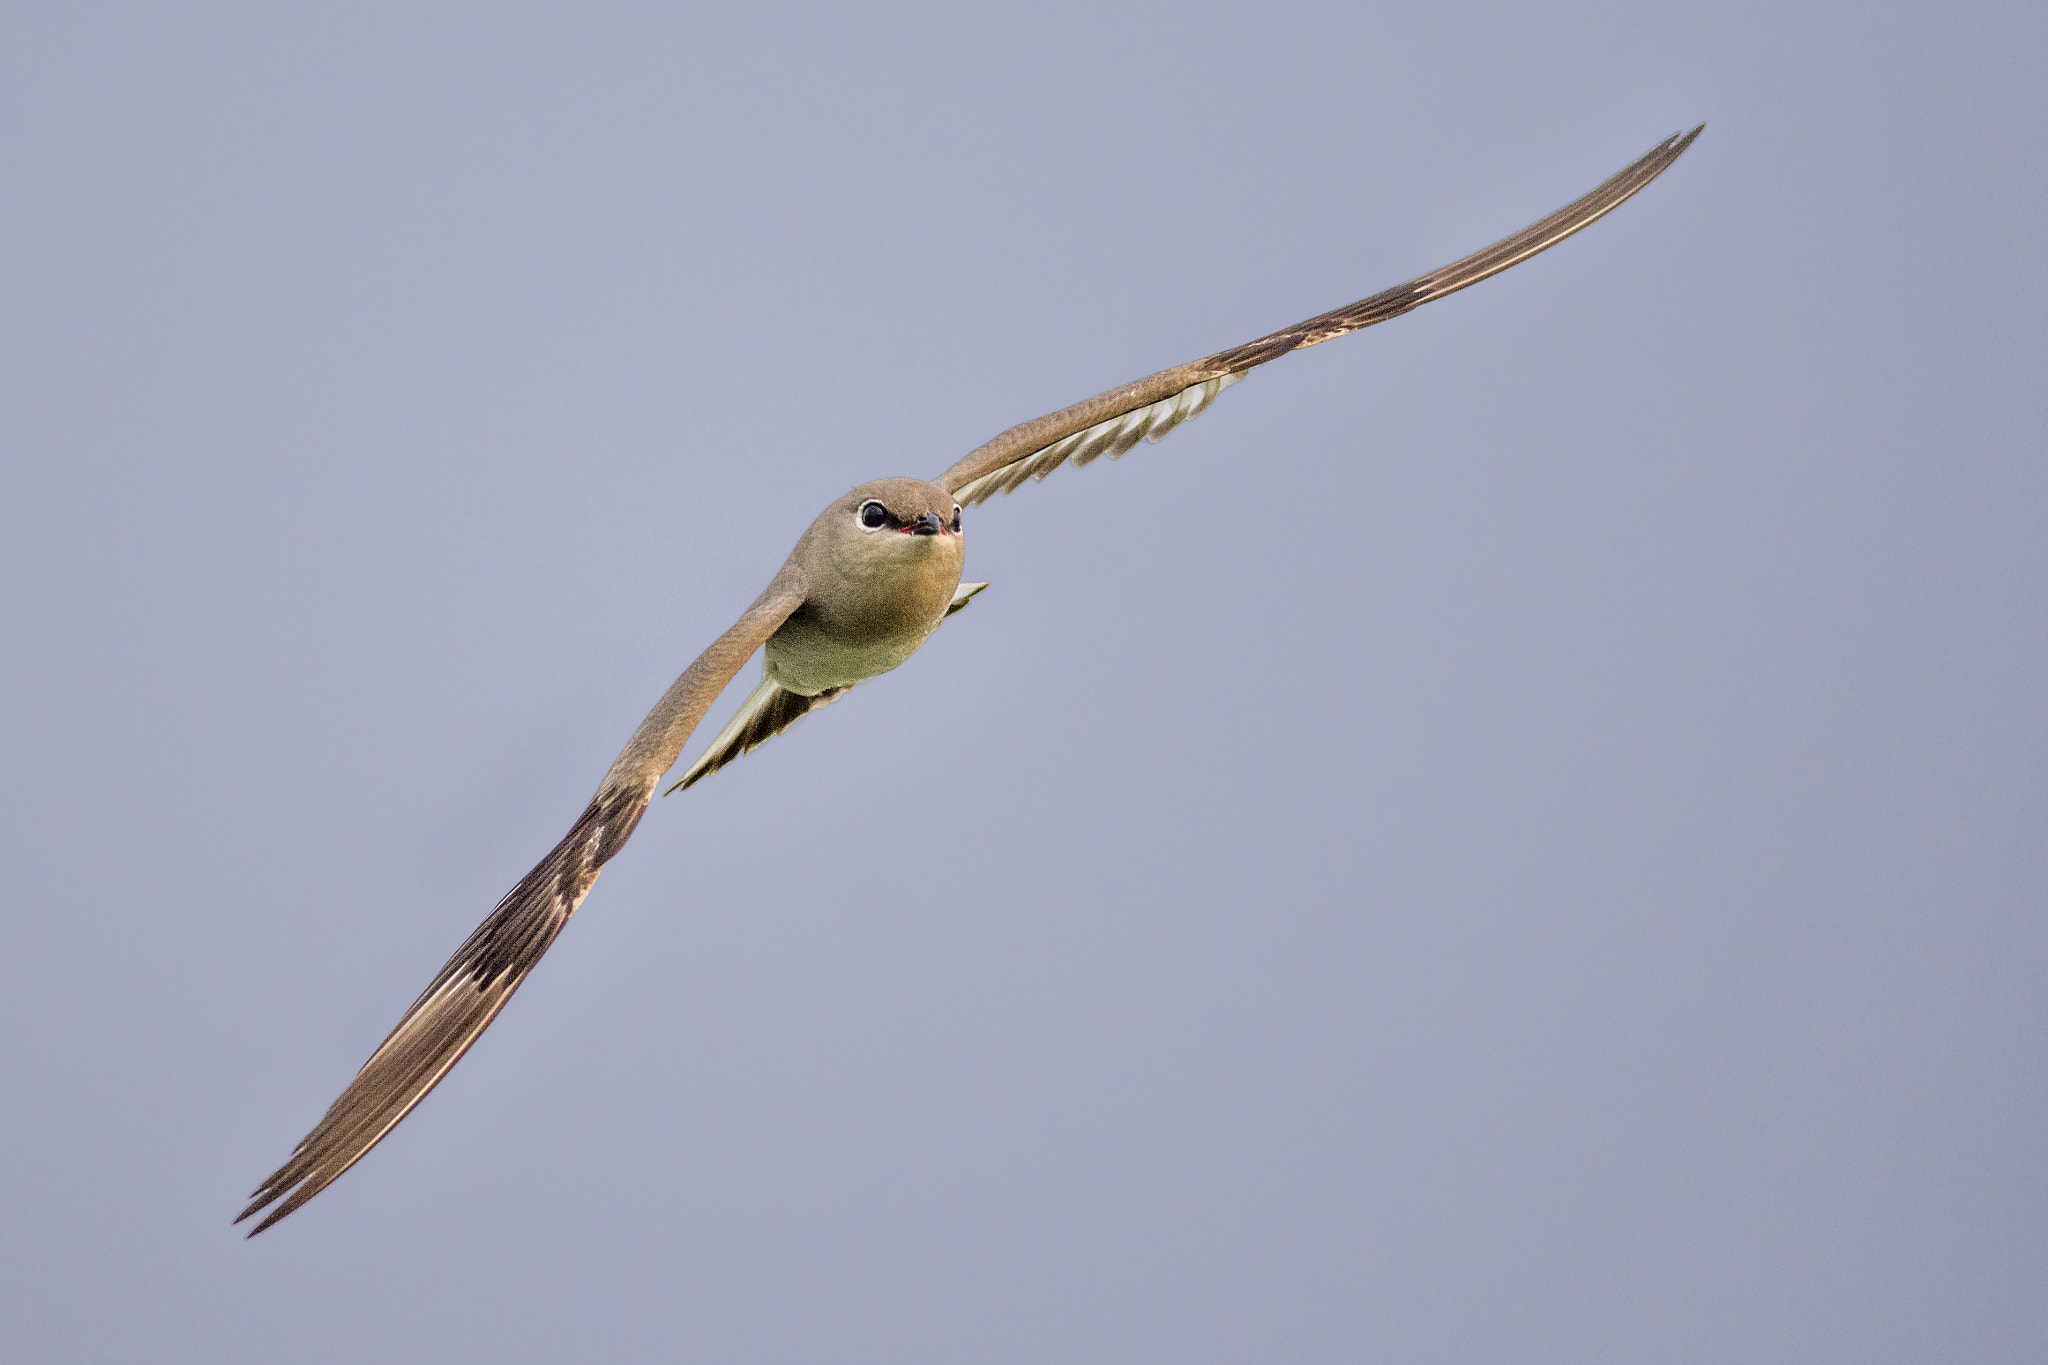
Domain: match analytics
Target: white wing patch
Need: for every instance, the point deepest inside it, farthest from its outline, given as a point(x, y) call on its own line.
point(1111, 438)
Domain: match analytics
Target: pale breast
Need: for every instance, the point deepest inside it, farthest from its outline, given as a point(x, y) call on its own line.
point(864, 623)
point(806, 656)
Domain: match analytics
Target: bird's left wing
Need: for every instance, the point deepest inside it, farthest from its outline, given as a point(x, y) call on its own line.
point(475, 984)
point(1145, 410)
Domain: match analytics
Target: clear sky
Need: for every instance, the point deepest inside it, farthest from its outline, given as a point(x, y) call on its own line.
point(1517, 836)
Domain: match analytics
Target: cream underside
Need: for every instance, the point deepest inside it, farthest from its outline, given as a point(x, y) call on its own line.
point(721, 750)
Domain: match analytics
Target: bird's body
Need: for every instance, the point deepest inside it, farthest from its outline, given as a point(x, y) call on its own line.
point(862, 591)
point(872, 595)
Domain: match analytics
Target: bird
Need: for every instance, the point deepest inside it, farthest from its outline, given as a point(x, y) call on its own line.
point(867, 584)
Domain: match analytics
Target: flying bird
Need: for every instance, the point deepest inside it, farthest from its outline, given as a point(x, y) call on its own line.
point(866, 585)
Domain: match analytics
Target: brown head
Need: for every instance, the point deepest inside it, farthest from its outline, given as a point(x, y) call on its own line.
point(889, 551)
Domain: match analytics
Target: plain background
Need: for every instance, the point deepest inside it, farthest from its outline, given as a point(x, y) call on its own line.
point(1518, 836)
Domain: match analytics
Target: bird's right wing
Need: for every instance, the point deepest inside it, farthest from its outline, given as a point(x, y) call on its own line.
point(462, 1000)
point(1146, 409)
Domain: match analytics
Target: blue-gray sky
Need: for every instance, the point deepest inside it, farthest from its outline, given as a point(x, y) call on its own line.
point(1516, 836)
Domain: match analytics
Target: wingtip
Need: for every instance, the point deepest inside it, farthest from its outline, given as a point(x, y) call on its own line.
point(1660, 157)
point(281, 1203)
point(255, 1208)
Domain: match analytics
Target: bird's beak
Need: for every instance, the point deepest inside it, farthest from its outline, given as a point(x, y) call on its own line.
point(927, 525)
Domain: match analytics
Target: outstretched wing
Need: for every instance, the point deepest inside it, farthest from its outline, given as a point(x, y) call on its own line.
point(468, 993)
point(1111, 423)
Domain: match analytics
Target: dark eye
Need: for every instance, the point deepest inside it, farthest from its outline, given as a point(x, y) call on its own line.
point(873, 515)
point(956, 518)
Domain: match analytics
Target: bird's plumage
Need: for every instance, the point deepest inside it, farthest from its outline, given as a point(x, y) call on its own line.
point(864, 588)
point(475, 984)
point(1146, 409)
point(770, 709)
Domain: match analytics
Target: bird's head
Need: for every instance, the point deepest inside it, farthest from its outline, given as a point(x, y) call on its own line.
point(901, 507)
point(891, 525)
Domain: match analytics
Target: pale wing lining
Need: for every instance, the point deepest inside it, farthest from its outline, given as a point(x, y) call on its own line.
point(1112, 438)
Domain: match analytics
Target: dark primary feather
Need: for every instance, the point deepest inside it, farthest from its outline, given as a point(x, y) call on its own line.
point(1110, 423)
point(453, 1011)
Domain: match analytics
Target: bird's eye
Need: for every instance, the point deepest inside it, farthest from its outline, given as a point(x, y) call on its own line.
point(956, 518)
point(873, 515)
